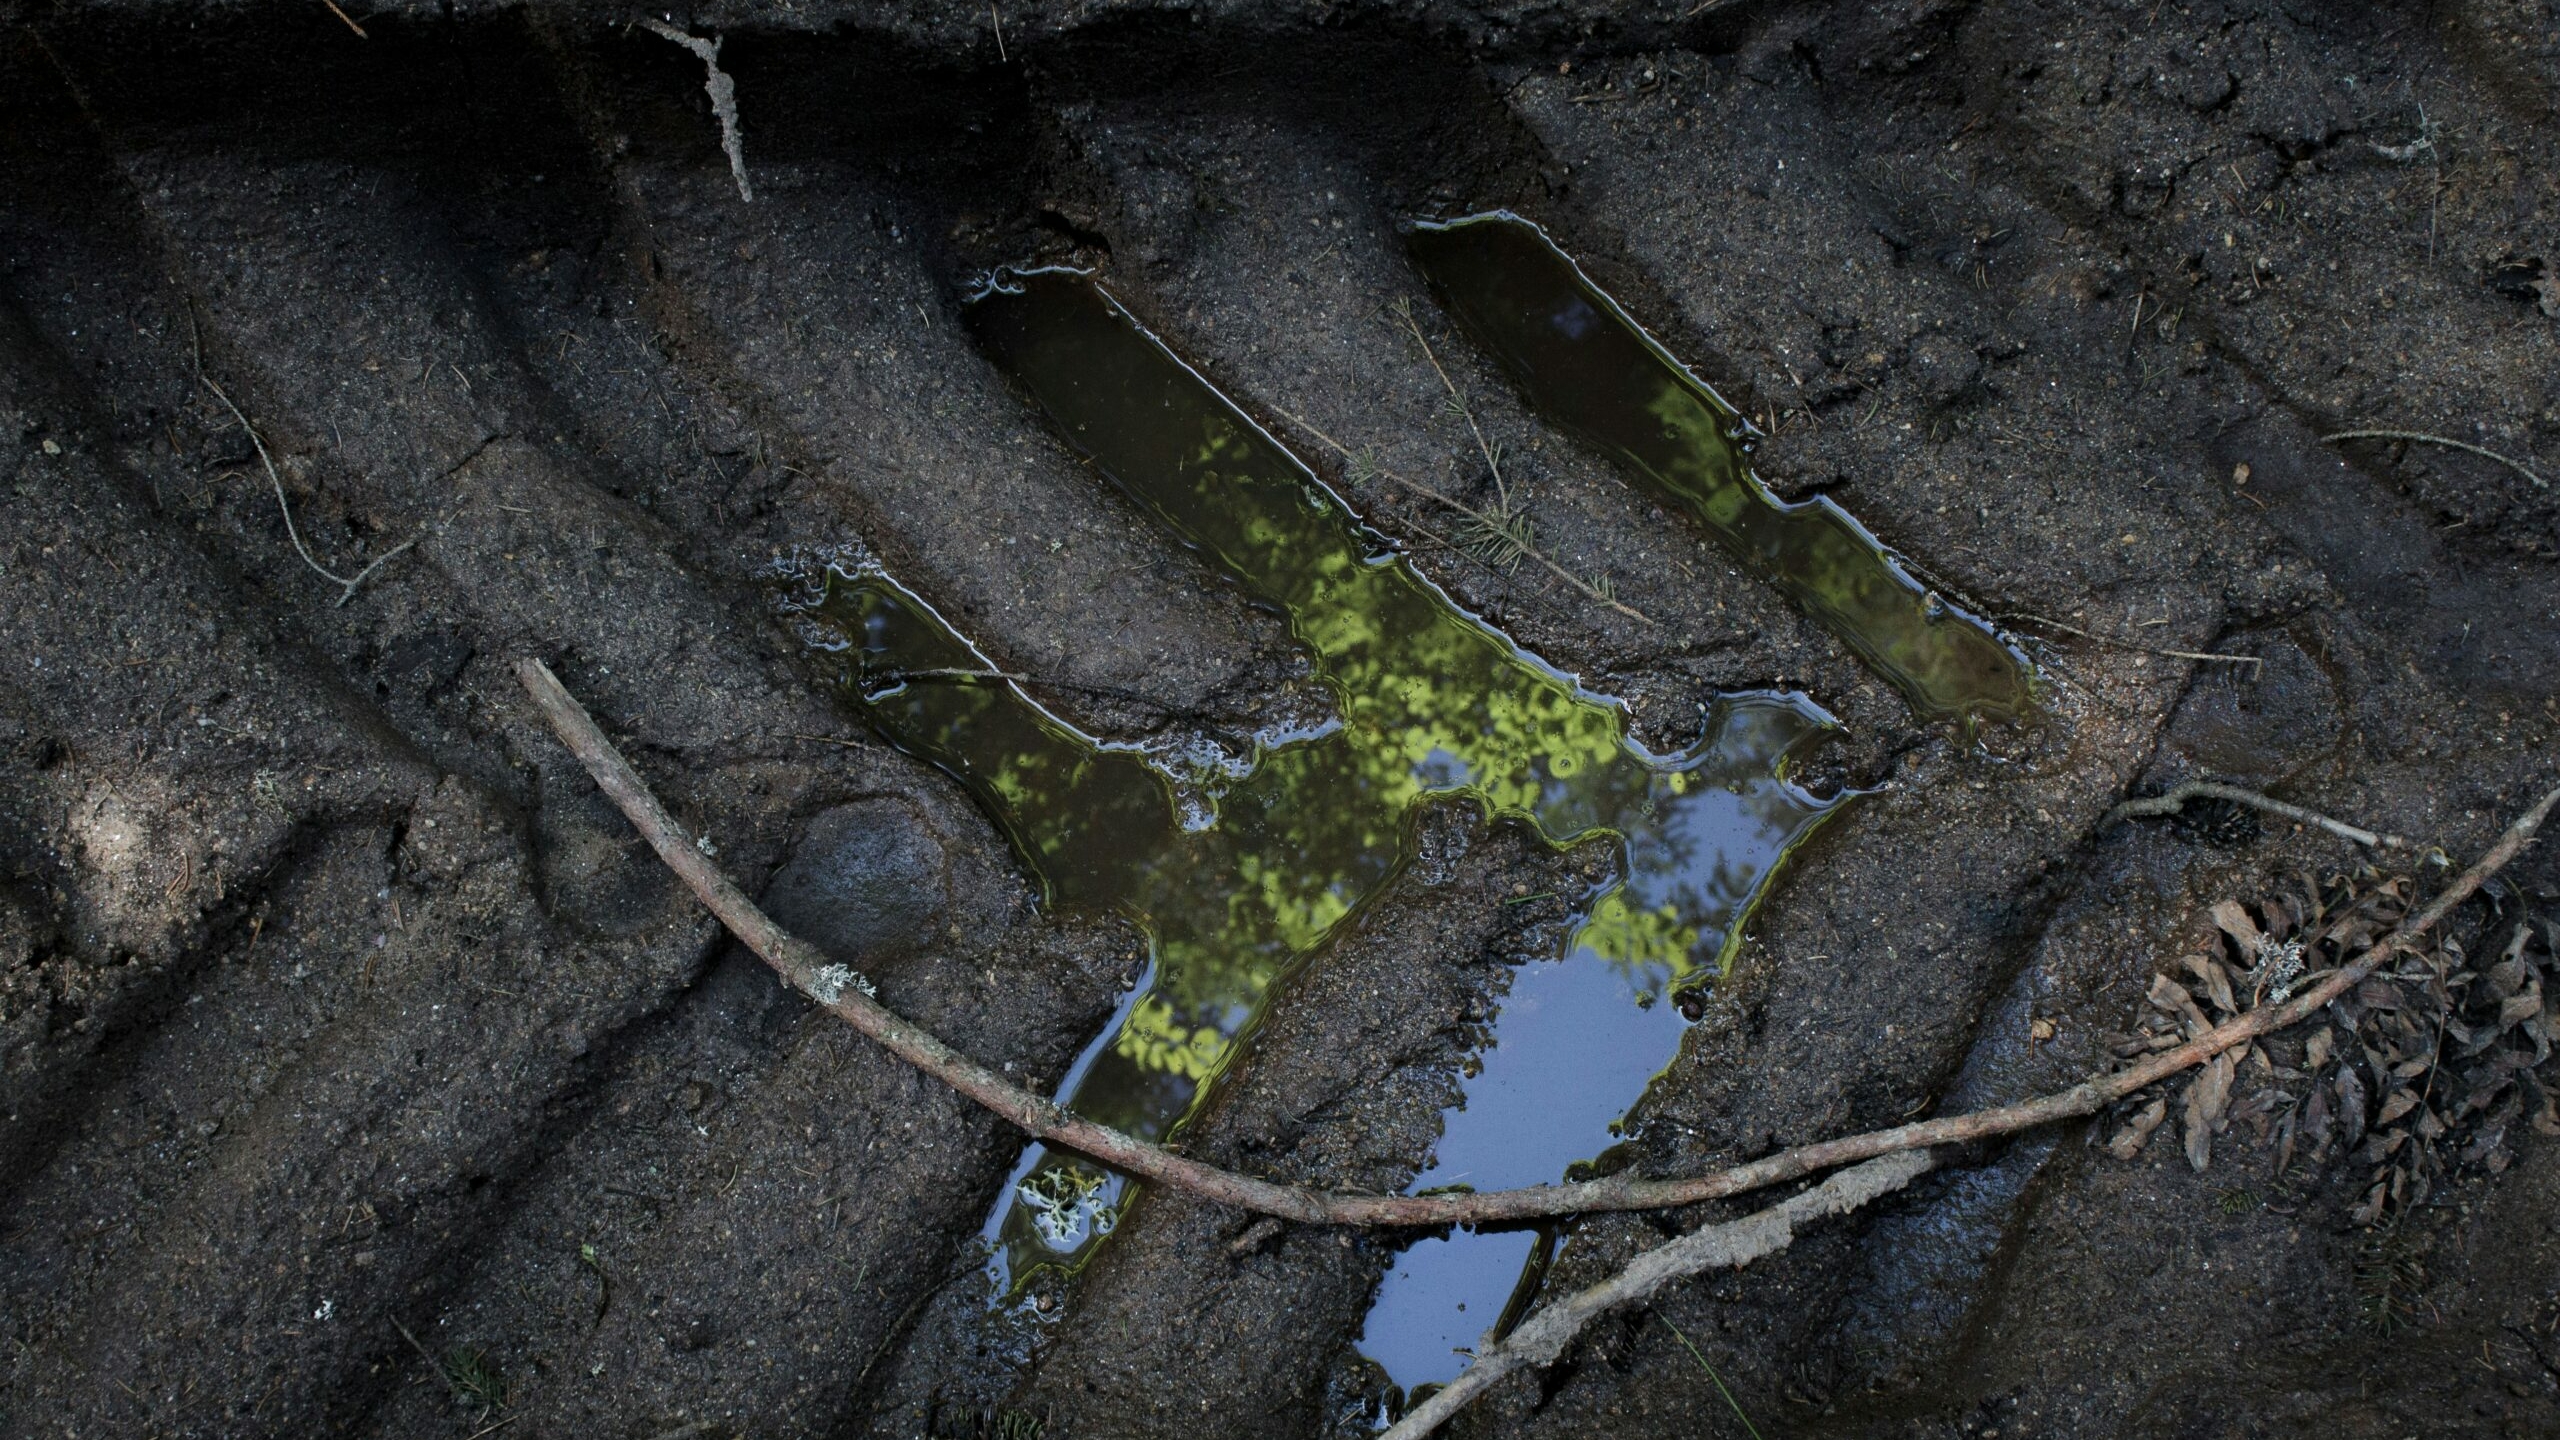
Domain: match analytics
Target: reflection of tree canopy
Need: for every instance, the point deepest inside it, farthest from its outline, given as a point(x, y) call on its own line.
point(1590, 368)
point(1432, 703)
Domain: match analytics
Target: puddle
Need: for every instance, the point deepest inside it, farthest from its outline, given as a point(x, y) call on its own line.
point(1237, 878)
point(1570, 1055)
point(1587, 366)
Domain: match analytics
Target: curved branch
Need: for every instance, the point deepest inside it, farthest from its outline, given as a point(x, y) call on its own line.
point(848, 995)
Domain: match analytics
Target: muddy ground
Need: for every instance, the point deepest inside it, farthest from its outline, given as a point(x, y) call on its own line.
point(349, 1034)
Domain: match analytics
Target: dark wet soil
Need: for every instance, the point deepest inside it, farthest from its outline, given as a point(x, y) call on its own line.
point(361, 1074)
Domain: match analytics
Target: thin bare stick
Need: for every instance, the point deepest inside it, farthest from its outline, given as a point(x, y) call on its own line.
point(350, 19)
point(346, 587)
point(840, 990)
point(1589, 590)
point(1540, 1340)
point(2015, 617)
point(2173, 799)
point(724, 97)
point(2423, 438)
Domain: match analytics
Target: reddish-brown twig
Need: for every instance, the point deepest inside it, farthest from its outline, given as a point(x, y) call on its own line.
point(841, 991)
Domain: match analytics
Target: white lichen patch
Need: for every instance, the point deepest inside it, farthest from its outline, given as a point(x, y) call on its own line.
point(1069, 1205)
point(2278, 968)
point(830, 982)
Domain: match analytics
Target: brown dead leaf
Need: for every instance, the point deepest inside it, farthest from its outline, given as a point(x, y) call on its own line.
point(2167, 994)
point(2233, 920)
point(2351, 1106)
point(2173, 997)
point(2380, 994)
point(2400, 1103)
point(2217, 985)
point(2207, 1099)
point(2509, 976)
point(2137, 1132)
point(2318, 1120)
point(2316, 1054)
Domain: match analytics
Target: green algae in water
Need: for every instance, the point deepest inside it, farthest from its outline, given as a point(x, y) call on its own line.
point(1587, 366)
point(1431, 702)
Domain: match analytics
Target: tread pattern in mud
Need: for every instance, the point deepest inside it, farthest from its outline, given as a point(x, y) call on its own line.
point(335, 1005)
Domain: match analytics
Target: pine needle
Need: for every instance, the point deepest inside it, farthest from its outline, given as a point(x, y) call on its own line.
point(1718, 1379)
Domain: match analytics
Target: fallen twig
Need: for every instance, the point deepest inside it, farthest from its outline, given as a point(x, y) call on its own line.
point(2170, 801)
point(2447, 441)
point(349, 19)
point(1540, 1339)
point(837, 988)
point(724, 97)
point(346, 587)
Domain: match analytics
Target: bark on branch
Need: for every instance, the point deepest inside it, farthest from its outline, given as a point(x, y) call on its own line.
point(2171, 801)
point(1541, 1339)
point(806, 969)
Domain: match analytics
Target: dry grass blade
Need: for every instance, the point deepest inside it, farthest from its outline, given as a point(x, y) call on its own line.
point(346, 586)
point(2120, 643)
point(2421, 437)
point(1508, 527)
point(1701, 1357)
point(349, 19)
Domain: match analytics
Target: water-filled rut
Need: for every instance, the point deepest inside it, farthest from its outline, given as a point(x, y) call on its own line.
point(1239, 871)
point(351, 1035)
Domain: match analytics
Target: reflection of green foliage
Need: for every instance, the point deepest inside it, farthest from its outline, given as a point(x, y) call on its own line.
point(1654, 946)
point(1587, 366)
point(1432, 703)
point(1152, 1038)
